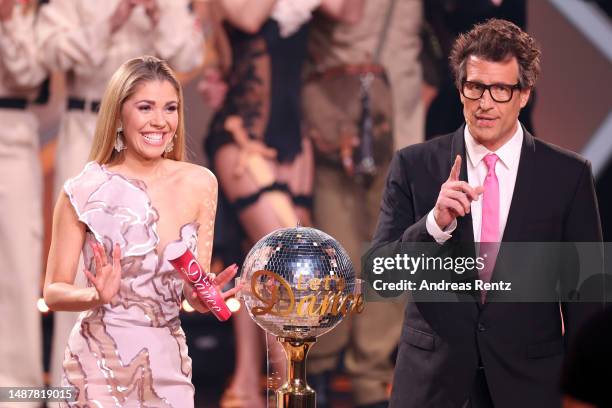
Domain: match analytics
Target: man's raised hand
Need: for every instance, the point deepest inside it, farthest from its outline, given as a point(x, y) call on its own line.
point(455, 197)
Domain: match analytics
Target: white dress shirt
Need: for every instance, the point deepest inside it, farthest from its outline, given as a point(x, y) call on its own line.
point(506, 169)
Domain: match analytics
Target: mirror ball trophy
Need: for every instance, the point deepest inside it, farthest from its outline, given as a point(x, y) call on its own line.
point(298, 283)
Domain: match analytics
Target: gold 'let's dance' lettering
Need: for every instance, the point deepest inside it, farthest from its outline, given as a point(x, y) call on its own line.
point(333, 302)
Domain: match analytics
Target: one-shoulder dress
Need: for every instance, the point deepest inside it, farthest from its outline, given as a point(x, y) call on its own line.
point(132, 351)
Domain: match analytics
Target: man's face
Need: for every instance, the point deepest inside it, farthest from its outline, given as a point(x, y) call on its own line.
point(493, 123)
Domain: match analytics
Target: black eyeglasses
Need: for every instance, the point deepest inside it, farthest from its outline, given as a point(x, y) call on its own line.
point(499, 92)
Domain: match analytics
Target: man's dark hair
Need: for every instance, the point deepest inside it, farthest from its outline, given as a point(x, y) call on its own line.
point(497, 40)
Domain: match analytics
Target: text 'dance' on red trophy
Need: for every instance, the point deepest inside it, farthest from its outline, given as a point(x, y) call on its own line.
point(298, 283)
point(183, 260)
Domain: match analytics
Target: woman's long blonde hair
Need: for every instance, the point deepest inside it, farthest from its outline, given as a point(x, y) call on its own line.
point(123, 85)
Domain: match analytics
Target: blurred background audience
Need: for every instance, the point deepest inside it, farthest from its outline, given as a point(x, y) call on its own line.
point(22, 79)
point(361, 100)
point(297, 106)
point(255, 145)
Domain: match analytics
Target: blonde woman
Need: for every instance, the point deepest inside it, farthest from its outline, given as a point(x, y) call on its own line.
point(89, 40)
point(134, 197)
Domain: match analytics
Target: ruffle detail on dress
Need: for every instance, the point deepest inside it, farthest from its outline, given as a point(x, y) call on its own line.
point(115, 209)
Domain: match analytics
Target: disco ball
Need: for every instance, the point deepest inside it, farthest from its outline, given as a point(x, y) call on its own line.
point(299, 283)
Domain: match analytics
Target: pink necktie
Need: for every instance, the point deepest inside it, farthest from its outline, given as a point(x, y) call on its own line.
point(489, 231)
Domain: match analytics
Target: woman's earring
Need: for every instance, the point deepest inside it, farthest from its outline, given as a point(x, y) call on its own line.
point(170, 145)
point(119, 145)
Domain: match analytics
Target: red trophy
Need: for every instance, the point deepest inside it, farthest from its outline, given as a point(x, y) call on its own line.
point(181, 257)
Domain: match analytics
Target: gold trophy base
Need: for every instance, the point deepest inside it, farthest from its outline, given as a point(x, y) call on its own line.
point(295, 392)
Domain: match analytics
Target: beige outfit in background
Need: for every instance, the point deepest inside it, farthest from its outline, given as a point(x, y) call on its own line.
point(400, 58)
point(356, 43)
point(75, 37)
point(349, 210)
point(20, 209)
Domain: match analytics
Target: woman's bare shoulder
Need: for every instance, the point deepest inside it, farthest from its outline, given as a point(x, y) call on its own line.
point(65, 213)
point(63, 207)
point(196, 177)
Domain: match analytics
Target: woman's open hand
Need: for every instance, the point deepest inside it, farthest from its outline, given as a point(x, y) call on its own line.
point(108, 274)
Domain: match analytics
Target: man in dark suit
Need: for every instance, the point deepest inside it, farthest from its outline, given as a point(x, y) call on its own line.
point(490, 181)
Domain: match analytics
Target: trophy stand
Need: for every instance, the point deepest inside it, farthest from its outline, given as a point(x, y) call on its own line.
point(295, 392)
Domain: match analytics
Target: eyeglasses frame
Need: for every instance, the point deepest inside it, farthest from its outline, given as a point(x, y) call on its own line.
point(488, 88)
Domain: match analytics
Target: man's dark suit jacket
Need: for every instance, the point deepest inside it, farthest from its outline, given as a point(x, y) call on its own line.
point(520, 345)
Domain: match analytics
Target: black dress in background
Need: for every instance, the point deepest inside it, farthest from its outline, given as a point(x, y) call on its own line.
point(264, 90)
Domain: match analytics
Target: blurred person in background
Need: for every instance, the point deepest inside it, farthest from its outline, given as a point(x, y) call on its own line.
point(363, 87)
point(89, 40)
point(21, 75)
point(255, 144)
point(585, 381)
point(444, 21)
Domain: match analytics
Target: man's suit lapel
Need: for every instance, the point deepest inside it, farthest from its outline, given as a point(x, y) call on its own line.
point(464, 234)
point(523, 189)
point(465, 230)
point(520, 203)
